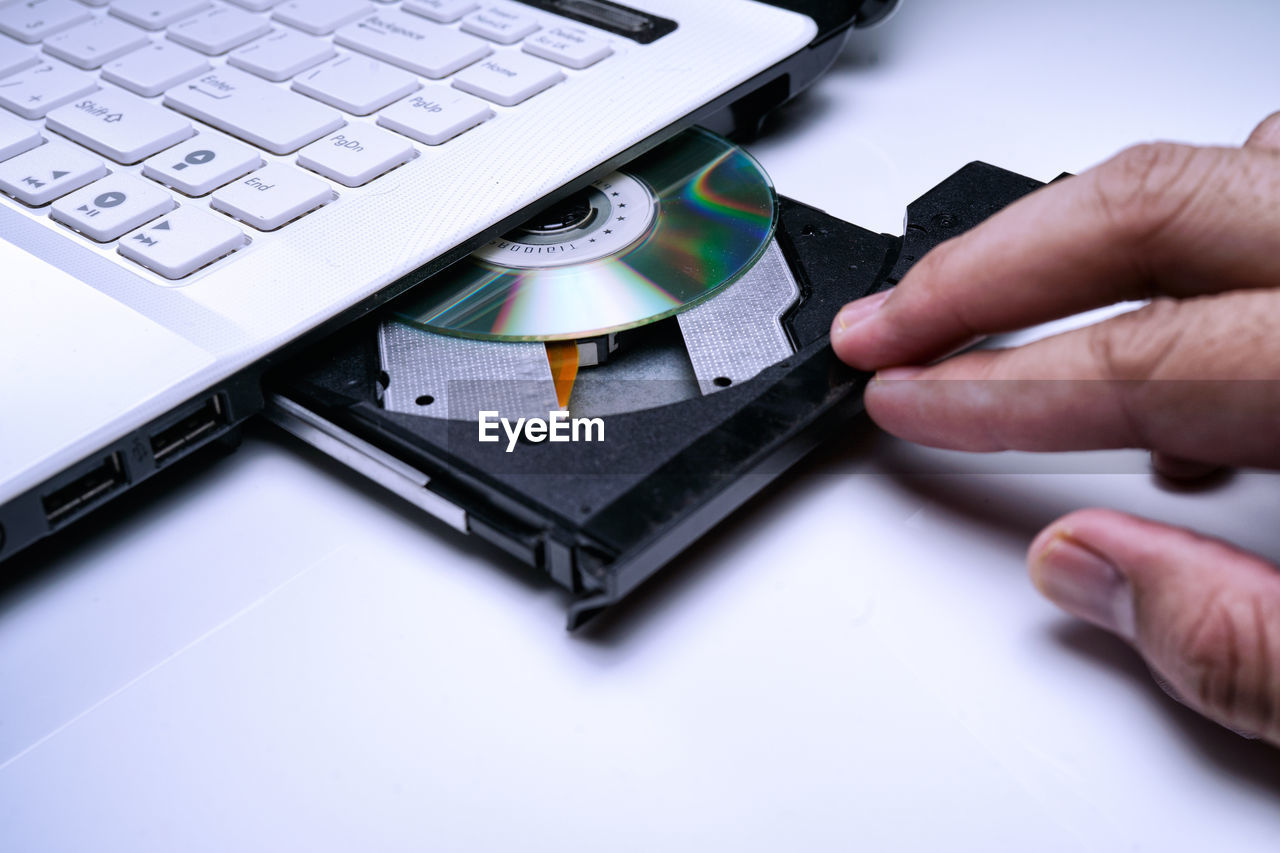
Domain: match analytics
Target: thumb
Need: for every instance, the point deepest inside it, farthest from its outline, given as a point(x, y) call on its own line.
point(1205, 615)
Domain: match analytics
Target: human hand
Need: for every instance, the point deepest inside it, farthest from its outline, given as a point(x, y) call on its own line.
point(1192, 376)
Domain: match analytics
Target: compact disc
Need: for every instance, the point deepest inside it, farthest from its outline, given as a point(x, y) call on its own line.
point(661, 235)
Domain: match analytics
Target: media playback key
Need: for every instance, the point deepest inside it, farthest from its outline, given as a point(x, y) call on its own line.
point(182, 242)
point(113, 206)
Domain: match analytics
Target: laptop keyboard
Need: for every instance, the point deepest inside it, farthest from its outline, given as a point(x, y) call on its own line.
point(174, 132)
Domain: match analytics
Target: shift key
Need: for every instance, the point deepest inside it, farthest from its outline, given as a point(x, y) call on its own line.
point(254, 110)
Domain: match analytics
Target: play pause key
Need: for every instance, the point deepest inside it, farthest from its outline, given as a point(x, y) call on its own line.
point(112, 206)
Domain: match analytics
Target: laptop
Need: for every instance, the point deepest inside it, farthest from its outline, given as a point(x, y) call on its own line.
point(190, 187)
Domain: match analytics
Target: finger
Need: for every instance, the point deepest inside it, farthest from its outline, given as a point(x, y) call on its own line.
point(1267, 134)
point(1205, 615)
point(1156, 219)
point(1179, 469)
point(1195, 378)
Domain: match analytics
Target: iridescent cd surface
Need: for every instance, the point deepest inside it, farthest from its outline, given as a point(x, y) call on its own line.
point(663, 234)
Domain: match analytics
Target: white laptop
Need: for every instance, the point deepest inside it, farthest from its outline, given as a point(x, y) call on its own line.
point(188, 186)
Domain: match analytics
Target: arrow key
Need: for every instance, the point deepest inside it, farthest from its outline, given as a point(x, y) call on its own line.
point(108, 208)
point(182, 242)
point(48, 172)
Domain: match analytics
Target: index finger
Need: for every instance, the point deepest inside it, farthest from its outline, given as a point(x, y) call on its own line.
point(1156, 219)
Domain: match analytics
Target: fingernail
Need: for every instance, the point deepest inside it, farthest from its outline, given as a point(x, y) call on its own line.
point(889, 374)
point(1084, 583)
point(857, 312)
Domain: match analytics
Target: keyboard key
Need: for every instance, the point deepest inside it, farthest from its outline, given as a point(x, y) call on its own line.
point(356, 84)
point(182, 242)
point(569, 46)
point(150, 71)
point(255, 5)
point(355, 156)
point(48, 172)
point(242, 105)
point(156, 14)
point(35, 20)
point(443, 11)
point(112, 206)
point(320, 17)
point(436, 115)
point(272, 196)
point(412, 43)
point(218, 30)
point(505, 26)
point(121, 126)
point(508, 78)
point(16, 137)
point(14, 57)
point(92, 44)
point(202, 164)
point(282, 54)
point(33, 92)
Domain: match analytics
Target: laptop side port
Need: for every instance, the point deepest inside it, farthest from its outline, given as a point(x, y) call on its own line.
point(84, 491)
point(188, 431)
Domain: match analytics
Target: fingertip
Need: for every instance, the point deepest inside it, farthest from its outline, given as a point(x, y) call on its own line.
point(1082, 581)
point(1266, 134)
point(849, 328)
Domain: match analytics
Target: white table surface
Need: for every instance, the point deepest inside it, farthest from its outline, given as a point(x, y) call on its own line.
point(270, 655)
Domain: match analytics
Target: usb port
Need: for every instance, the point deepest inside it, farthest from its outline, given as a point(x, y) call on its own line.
point(188, 431)
point(85, 490)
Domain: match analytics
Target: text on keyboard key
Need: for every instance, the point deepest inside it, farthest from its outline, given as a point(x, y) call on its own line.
point(274, 195)
point(320, 17)
point(356, 84)
point(156, 14)
point(508, 78)
point(412, 43)
point(16, 137)
point(202, 164)
point(182, 242)
point(435, 115)
point(568, 46)
point(120, 126)
point(254, 110)
point(282, 54)
point(36, 20)
point(94, 43)
point(218, 30)
point(112, 206)
point(150, 71)
point(505, 26)
point(355, 156)
point(48, 172)
point(33, 92)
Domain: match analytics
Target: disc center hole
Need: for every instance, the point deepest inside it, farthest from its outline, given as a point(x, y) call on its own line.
point(575, 211)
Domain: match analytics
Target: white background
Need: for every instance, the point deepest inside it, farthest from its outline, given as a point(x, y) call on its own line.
point(266, 654)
